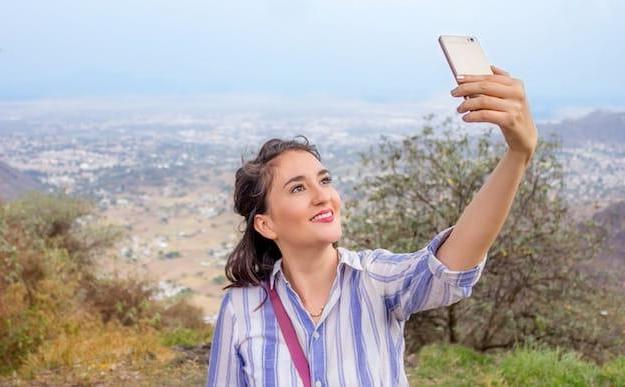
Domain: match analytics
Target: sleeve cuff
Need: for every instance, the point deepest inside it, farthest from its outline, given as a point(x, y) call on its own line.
point(459, 278)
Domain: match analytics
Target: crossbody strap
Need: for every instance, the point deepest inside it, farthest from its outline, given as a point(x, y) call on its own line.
point(288, 331)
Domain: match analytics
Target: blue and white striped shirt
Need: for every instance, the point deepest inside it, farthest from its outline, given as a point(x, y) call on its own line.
point(359, 340)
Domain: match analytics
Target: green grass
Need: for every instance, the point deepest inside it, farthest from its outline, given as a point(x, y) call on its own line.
point(454, 365)
point(437, 365)
point(613, 373)
point(186, 337)
point(548, 368)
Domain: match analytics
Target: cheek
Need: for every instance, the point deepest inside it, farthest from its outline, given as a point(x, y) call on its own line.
point(294, 211)
point(337, 200)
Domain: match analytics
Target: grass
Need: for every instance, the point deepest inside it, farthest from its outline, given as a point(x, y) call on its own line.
point(452, 365)
point(110, 354)
point(97, 347)
point(547, 367)
point(613, 372)
point(185, 337)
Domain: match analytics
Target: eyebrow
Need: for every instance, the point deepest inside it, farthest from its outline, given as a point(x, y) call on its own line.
point(300, 177)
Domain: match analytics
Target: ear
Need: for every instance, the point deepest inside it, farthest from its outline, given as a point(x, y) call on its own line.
point(264, 226)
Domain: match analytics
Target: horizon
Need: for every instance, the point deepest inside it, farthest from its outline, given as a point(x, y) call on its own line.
point(263, 105)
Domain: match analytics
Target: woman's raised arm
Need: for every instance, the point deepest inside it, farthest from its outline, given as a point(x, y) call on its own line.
point(501, 100)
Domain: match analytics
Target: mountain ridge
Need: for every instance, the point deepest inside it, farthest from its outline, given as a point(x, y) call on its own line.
point(14, 183)
point(598, 125)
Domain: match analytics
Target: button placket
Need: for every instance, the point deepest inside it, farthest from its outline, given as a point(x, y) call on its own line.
point(316, 347)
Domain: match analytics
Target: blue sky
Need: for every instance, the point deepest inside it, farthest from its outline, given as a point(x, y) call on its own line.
point(569, 53)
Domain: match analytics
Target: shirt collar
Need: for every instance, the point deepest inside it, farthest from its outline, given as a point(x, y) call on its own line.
point(347, 257)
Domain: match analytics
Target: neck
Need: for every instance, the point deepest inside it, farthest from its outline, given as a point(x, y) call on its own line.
point(310, 271)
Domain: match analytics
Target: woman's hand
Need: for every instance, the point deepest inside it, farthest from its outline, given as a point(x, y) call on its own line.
point(501, 100)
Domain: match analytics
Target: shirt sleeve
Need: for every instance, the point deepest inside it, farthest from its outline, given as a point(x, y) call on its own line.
point(224, 365)
point(412, 282)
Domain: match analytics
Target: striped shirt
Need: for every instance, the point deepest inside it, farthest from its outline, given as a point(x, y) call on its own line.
point(359, 339)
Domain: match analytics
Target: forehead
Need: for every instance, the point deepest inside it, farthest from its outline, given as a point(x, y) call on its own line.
point(295, 163)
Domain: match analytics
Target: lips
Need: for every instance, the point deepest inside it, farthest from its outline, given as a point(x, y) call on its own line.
point(324, 216)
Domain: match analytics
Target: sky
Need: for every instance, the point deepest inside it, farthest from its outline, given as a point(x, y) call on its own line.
point(568, 53)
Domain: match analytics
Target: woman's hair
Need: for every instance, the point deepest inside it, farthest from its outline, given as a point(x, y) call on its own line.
point(253, 258)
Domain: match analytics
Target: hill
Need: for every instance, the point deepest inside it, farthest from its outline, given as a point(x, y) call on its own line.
point(599, 125)
point(14, 183)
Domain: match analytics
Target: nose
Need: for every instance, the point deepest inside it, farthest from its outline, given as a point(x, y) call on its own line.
point(321, 194)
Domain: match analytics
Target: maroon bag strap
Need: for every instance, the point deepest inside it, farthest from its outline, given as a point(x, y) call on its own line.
point(288, 331)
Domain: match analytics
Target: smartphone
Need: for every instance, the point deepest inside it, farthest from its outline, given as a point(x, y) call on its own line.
point(464, 55)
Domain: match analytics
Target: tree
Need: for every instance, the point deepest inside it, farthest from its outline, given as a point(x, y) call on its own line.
point(45, 254)
point(532, 288)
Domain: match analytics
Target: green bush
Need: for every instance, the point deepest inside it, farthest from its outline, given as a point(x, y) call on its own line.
point(533, 288)
point(126, 300)
point(48, 279)
point(186, 337)
point(22, 330)
point(219, 280)
point(178, 313)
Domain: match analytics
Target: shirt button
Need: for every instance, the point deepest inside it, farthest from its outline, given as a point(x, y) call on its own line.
point(317, 384)
point(316, 335)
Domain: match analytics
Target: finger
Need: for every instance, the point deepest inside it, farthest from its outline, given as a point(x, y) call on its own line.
point(493, 89)
point(494, 117)
point(503, 79)
point(499, 71)
point(484, 102)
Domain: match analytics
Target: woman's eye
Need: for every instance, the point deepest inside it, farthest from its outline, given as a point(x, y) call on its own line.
point(299, 187)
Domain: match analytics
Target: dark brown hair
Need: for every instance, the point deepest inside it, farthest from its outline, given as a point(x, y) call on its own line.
point(252, 260)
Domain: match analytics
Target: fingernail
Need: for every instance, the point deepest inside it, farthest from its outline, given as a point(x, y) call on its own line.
point(460, 77)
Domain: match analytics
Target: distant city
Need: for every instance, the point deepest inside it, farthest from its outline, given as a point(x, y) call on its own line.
point(168, 178)
point(104, 157)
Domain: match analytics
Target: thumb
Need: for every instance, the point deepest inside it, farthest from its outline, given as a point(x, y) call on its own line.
point(499, 71)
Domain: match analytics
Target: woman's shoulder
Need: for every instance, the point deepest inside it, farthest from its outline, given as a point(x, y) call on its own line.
point(235, 301)
point(360, 258)
point(237, 296)
point(237, 291)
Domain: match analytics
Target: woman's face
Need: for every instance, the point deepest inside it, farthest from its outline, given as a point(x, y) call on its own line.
point(300, 191)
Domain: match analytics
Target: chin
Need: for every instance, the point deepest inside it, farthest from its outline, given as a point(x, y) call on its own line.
point(328, 236)
point(333, 238)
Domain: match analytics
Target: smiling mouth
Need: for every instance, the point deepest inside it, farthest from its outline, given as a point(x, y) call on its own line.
point(324, 217)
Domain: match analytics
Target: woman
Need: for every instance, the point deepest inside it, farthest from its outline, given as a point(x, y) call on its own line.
point(347, 309)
